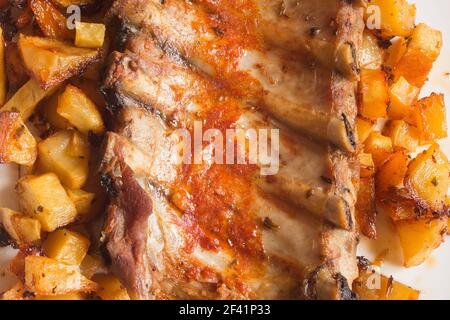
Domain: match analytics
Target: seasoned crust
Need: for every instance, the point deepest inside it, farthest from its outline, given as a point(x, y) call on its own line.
point(127, 228)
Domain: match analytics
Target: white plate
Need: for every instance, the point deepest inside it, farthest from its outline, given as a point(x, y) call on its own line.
point(433, 277)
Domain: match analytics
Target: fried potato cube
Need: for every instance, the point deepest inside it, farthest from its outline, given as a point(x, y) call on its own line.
point(420, 237)
point(3, 80)
point(89, 35)
point(82, 200)
point(110, 287)
point(50, 62)
point(91, 265)
point(403, 135)
point(371, 55)
point(27, 229)
point(66, 153)
point(44, 198)
point(52, 22)
point(423, 49)
point(397, 17)
point(364, 128)
point(17, 144)
point(17, 292)
point(367, 165)
point(374, 286)
point(50, 114)
point(23, 229)
point(26, 99)
point(373, 94)
point(379, 146)
point(365, 210)
point(395, 51)
point(391, 174)
point(80, 111)
point(429, 116)
point(402, 96)
point(427, 178)
point(46, 276)
point(66, 246)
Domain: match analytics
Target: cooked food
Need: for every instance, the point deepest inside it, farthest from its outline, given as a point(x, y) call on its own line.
point(47, 276)
point(218, 149)
point(419, 237)
point(89, 35)
point(66, 246)
point(44, 198)
point(241, 215)
point(25, 231)
point(26, 99)
point(52, 22)
point(397, 17)
point(2, 69)
point(50, 61)
point(80, 111)
point(424, 46)
point(294, 91)
point(373, 286)
point(65, 153)
point(17, 145)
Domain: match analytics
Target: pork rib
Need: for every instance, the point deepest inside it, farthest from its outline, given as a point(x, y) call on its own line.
point(180, 231)
point(223, 39)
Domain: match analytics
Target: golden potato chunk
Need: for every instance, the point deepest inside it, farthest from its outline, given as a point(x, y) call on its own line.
point(66, 246)
point(397, 17)
point(17, 144)
point(80, 111)
point(427, 178)
point(424, 47)
point(373, 94)
point(26, 99)
point(367, 165)
point(17, 292)
point(429, 116)
point(379, 146)
point(66, 153)
point(3, 80)
point(52, 22)
point(44, 198)
point(364, 128)
point(419, 238)
point(371, 285)
point(91, 265)
point(396, 51)
point(402, 96)
point(89, 35)
point(22, 229)
point(51, 62)
point(371, 55)
point(403, 135)
point(46, 276)
point(391, 174)
point(82, 200)
point(50, 114)
point(110, 287)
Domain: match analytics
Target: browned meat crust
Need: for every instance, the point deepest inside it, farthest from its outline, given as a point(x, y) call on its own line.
point(225, 232)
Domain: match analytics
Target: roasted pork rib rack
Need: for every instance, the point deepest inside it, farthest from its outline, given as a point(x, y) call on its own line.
point(213, 231)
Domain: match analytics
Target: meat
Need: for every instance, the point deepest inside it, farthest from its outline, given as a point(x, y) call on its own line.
point(223, 39)
point(208, 230)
